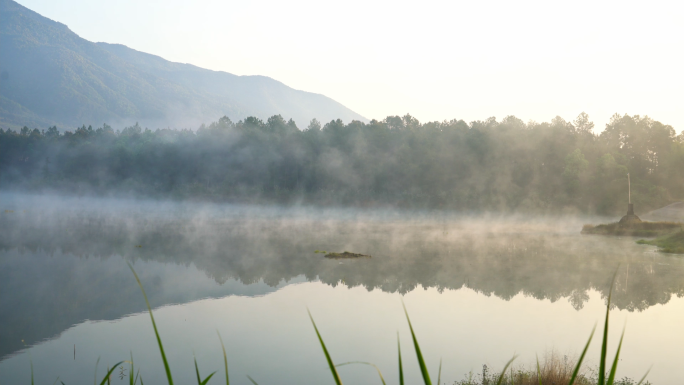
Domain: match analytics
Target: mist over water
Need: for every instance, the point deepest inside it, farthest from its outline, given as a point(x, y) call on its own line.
point(478, 282)
point(235, 198)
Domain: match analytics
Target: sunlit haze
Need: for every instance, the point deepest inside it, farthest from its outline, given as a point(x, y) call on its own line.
point(289, 187)
point(433, 59)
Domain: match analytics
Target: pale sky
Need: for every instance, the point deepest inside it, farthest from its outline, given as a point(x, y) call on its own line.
point(433, 59)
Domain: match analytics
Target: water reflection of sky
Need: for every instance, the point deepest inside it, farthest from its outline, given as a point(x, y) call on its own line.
point(478, 288)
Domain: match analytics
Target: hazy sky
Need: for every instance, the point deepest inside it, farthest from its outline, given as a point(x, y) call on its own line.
point(433, 59)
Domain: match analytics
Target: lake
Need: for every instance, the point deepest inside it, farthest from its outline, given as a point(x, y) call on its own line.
point(478, 289)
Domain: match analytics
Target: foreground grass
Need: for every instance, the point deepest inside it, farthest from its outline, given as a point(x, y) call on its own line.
point(553, 371)
point(672, 243)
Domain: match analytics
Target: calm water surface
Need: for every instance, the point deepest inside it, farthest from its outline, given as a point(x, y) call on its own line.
point(478, 288)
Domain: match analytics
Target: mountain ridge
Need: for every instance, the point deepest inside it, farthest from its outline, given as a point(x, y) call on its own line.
point(51, 76)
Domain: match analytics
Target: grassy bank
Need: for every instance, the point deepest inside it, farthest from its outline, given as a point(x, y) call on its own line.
point(671, 243)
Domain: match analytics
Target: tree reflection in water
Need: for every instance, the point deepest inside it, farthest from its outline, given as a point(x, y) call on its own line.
point(493, 256)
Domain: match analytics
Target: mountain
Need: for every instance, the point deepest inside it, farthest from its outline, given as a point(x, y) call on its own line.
point(51, 76)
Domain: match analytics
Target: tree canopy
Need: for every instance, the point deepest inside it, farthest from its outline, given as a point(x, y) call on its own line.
point(490, 165)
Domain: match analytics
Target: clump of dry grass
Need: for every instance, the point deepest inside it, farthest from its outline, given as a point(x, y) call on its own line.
point(557, 370)
point(554, 369)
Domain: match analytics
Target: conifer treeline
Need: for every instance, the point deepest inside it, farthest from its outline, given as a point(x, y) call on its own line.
point(483, 165)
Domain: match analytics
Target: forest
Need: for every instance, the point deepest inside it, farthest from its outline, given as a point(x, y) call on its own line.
point(493, 166)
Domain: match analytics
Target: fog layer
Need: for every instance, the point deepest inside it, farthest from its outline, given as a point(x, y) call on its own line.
point(72, 252)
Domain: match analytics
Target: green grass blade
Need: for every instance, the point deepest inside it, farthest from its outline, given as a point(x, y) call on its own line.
point(369, 364)
point(131, 372)
point(225, 358)
point(156, 332)
point(109, 373)
point(401, 368)
point(439, 373)
point(251, 379)
point(199, 382)
point(336, 376)
point(575, 373)
point(141, 381)
point(421, 361)
point(95, 378)
point(503, 372)
point(539, 372)
point(604, 343)
point(206, 380)
point(644, 377)
point(613, 369)
point(31, 362)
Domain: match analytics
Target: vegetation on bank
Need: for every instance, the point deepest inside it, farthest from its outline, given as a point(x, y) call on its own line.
point(672, 243)
point(482, 165)
point(642, 229)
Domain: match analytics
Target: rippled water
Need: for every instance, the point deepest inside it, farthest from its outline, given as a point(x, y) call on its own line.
point(478, 289)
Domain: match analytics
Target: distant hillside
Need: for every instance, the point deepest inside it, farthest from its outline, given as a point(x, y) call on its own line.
point(49, 75)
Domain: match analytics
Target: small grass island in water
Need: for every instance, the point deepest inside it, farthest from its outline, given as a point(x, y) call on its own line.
point(346, 255)
point(632, 226)
point(642, 229)
point(343, 255)
point(670, 235)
